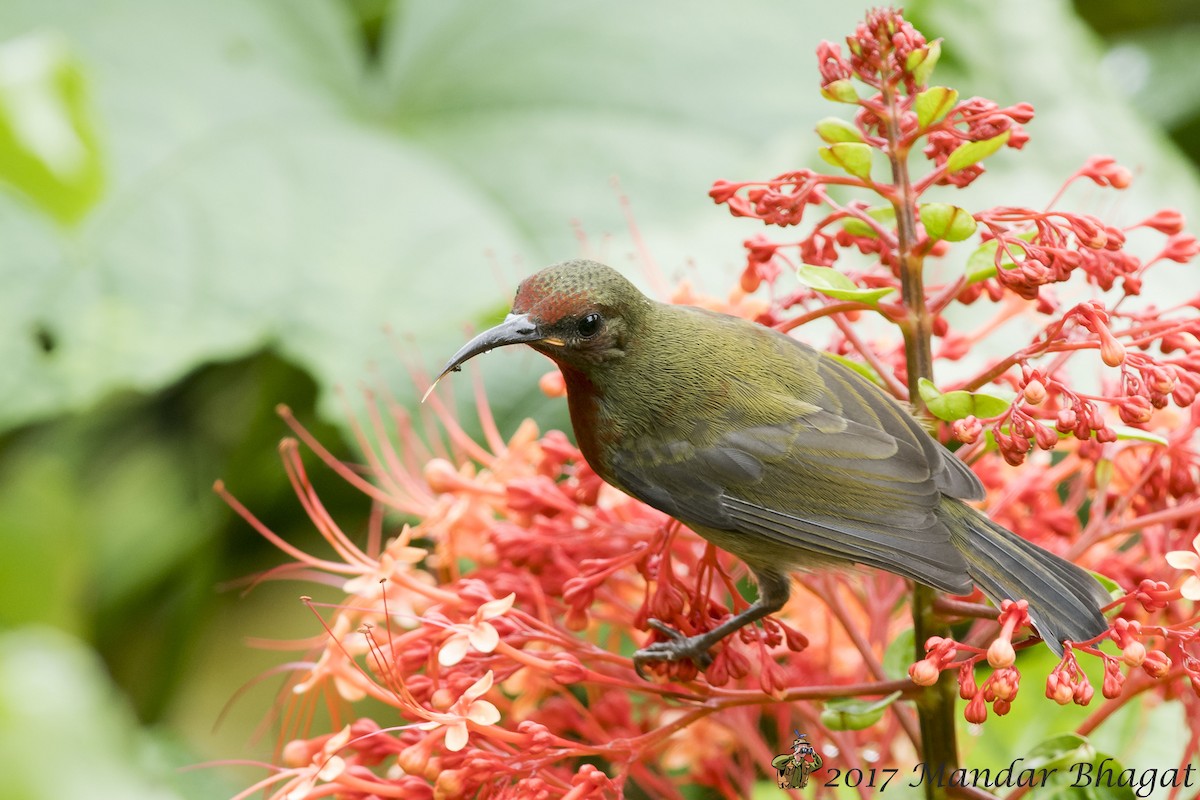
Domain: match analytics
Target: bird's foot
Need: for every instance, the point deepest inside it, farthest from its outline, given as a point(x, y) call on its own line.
point(677, 648)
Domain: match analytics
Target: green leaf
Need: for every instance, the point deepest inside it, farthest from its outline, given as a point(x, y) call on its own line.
point(52, 687)
point(268, 185)
point(1139, 435)
point(970, 153)
point(921, 64)
point(944, 221)
point(981, 264)
point(859, 367)
point(48, 148)
point(830, 282)
point(899, 655)
point(853, 714)
point(885, 215)
point(836, 129)
point(933, 104)
point(1110, 586)
point(840, 92)
point(951, 406)
point(1075, 770)
point(853, 157)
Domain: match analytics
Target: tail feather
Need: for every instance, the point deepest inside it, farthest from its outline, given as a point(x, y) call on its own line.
point(1064, 600)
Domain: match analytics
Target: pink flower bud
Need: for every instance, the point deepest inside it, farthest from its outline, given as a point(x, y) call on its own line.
point(924, 673)
point(1168, 221)
point(1001, 654)
point(567, 669)
point(441, 475)
point(1181, 249)
point(1058, 689)
point(1066, 420)
point(1083, 693)
point(1157, 664)
point(1045, 437)
point(1035, 392)
point(1183, 395)
point(1134, 654)
point(1111, 350)
point(967, 430)
point(1163, 382)
point(976, 710)
point(1136, 409)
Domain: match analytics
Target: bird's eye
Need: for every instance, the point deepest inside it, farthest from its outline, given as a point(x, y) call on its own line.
point(588, 326)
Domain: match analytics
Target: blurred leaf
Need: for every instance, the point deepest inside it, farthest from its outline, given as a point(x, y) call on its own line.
point(1137, 434)
point(1080, 772)
point(885, 215)
point(981, 264)
point(830, 282)
point(55, 703)
point(862, 369)
point(272, 186)
point(853, 714)
point(899, 655)
point(48, 146)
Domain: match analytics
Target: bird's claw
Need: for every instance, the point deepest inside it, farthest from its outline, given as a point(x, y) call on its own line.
point(677, 648)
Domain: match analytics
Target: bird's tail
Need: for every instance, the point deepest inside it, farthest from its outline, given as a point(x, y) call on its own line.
point(1064, 600)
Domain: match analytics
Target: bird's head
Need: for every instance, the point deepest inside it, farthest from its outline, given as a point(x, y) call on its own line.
point(580, 313)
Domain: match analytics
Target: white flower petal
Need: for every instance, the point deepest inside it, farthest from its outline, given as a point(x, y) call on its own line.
point(1191, 588)
point(334, 767)
point(456, 736)
point(1183, 559)
point(483, 712)
point(494, 608)
point(479, 687)
point(483, 637)
point(302, 790)
point(453, 651)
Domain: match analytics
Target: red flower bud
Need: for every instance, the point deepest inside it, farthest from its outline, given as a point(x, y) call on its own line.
point(1134, 654)
point(1001, 654)
point(1035, 392)
point(1157, 664)
point(1168, 221)
point(924, 673)
point(976, 710)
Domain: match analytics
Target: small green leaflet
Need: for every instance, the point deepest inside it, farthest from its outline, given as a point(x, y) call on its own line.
point(835, 130)
point(884, 215)
point(852, 714)
point(981, 264)
point(951, 406)
point(944, 221)
point(853, 157)
point(933, 104)
point(971, 152)
point(830, 282)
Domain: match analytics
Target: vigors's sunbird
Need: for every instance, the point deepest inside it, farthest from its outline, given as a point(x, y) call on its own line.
point(773, 451)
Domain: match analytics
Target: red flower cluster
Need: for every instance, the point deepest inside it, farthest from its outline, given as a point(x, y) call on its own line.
point(496, 624)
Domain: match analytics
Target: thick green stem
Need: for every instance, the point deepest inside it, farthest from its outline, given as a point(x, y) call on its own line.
point(935, 706)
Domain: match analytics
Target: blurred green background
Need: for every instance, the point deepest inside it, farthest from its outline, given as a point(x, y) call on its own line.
point(210, 208)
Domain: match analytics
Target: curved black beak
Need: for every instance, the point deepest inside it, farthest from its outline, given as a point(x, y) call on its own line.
point(515, 329)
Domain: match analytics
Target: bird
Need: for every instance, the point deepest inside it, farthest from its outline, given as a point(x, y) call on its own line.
point(773, 451)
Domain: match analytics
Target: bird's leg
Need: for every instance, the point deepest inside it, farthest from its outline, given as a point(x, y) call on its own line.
point(773, 592)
